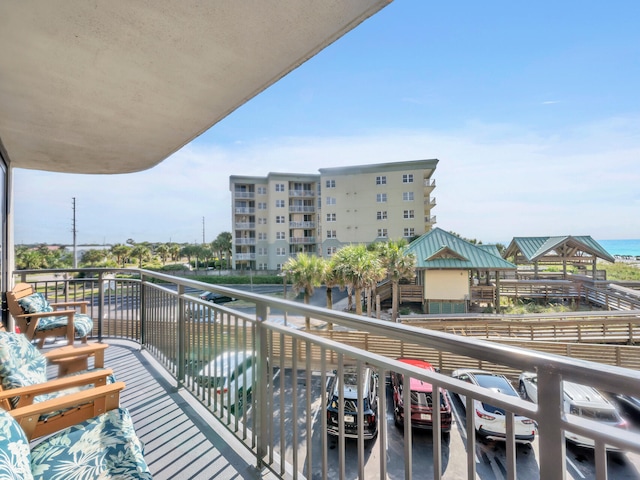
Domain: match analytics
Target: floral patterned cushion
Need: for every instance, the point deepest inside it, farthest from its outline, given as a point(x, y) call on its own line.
point(82, 324)
point(104, 447)
point(35, 303)
point(15, 456)
point(21, 365)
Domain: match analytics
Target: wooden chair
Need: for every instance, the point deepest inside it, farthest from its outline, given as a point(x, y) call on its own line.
point(23, 375)
point(38, 319)
point(98, 440)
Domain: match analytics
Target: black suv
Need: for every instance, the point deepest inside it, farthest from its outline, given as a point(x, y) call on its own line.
point(367, 381)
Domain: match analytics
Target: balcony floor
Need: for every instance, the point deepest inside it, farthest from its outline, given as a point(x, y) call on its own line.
point(181, 438)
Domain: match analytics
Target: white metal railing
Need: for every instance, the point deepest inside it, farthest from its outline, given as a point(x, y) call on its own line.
point(245, 241)
point(244, 225)
point(302, 224)
point(244, 194)
point(302, 208)
point(282, 419)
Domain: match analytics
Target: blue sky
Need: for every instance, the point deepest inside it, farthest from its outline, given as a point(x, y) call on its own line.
point(532, 109)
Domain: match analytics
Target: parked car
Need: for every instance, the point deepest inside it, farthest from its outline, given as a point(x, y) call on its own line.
point(229, 374)
point(421, 399)
point(490, 421)
point(349, 382)
point(215, 297)
point(581, 400)
point(629, 404)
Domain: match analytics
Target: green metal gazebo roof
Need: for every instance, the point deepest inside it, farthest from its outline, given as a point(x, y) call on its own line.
point(535, 248)
point(438, 249)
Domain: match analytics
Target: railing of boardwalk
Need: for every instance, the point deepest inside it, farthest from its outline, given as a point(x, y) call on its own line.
point(282, 417)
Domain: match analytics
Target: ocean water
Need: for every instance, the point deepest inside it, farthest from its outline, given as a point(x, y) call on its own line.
point(621, 247)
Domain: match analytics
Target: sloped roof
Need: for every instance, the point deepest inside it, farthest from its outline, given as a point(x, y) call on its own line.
point(438, 249)
point(536, 248)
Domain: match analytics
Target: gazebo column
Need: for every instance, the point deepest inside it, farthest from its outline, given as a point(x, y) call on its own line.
point(564, 268)
point(535, 270)
point(497, 292)
point(594, 268)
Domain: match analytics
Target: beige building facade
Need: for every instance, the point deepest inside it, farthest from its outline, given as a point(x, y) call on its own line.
point(280, 215)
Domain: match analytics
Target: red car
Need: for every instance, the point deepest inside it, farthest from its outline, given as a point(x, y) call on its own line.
point(421, 400)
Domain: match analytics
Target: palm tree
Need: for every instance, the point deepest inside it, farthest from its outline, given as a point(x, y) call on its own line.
point(359, 269)
point(141, 252)
point(306, 272)
point(121, 252)
point(398, 265)
point(162, 251)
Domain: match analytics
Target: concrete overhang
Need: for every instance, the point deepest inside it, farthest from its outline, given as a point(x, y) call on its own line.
point(117, 86)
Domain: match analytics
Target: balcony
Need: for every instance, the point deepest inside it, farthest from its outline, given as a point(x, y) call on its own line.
point(245, 225)
point(244, 210)
point(190, 429)
point(302, 193)
point(302, 224)
point(244, 256)
point(245, 241)
point(302, 240)
point(301, 208)
point(430, 201)
point(244, 195)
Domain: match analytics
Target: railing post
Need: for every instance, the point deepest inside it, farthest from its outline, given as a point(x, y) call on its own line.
point(550, 406)
point(100, 304)
point(262, 313)
point(181, 335)
point(143, 310)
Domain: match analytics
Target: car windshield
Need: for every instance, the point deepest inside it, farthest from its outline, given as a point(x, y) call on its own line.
point(496, 383)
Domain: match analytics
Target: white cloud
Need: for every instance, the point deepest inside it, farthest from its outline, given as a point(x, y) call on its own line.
point(493, 182)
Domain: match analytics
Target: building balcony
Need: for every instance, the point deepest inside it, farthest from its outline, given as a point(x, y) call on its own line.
point(245, 225)
point(244, 256)
point(430, 219)
point(161, 335)
point(244, 210)
point(430, 202)
point(302, 208)
point(302, 193)
point(302, 224)
point(244, 195)
point(302, 240)
point(245, 241)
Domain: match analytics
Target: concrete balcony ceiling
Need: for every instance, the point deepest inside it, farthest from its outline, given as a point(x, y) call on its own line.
point(118, 86)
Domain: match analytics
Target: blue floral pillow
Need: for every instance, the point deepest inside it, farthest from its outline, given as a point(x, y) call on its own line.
point(35, 303)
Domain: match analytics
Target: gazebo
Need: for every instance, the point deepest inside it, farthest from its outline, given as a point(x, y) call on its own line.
point(444, 268)
point(579, 251)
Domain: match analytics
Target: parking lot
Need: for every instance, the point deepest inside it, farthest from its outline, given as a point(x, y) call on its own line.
point(490, 455)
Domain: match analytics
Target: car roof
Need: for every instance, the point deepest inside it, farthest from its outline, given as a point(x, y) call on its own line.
point(226, 361)
point(585, 395)
point(350, 375)
point(416, 384)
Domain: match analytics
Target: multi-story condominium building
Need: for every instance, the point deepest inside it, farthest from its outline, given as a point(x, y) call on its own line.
point(280, 215)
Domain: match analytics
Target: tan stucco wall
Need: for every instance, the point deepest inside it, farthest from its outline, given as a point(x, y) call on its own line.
point(446, 284)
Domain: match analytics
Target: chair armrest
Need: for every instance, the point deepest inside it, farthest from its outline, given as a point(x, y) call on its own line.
point(55, 313)
point(85, 404)
point(27, 394)
point(78, 303)
point(71, 352)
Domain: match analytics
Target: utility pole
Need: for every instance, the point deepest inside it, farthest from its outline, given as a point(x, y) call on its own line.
point(75, 256)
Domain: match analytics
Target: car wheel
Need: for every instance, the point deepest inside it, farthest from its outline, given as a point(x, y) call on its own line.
point(523, 390)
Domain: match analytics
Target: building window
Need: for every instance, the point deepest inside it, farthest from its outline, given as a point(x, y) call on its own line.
point(382, 233)
point(280, 236)
point(381, 197)
point(409, 232)
point(382, 215)
point(409, 214)
point(281, 251)
point(331, 250)
point(331, 234)
point(262, 251)
point(262, 221)
point(279, 266)
point(262, 206)
point(407, 196)
point(279, 203)
point(381, 180)
point(280, 219)
point(262, 190)
point(407, 178)
point(279, 187)
point(262, 266)
point(331, 184)
point(331, 217)
point(331, 200)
